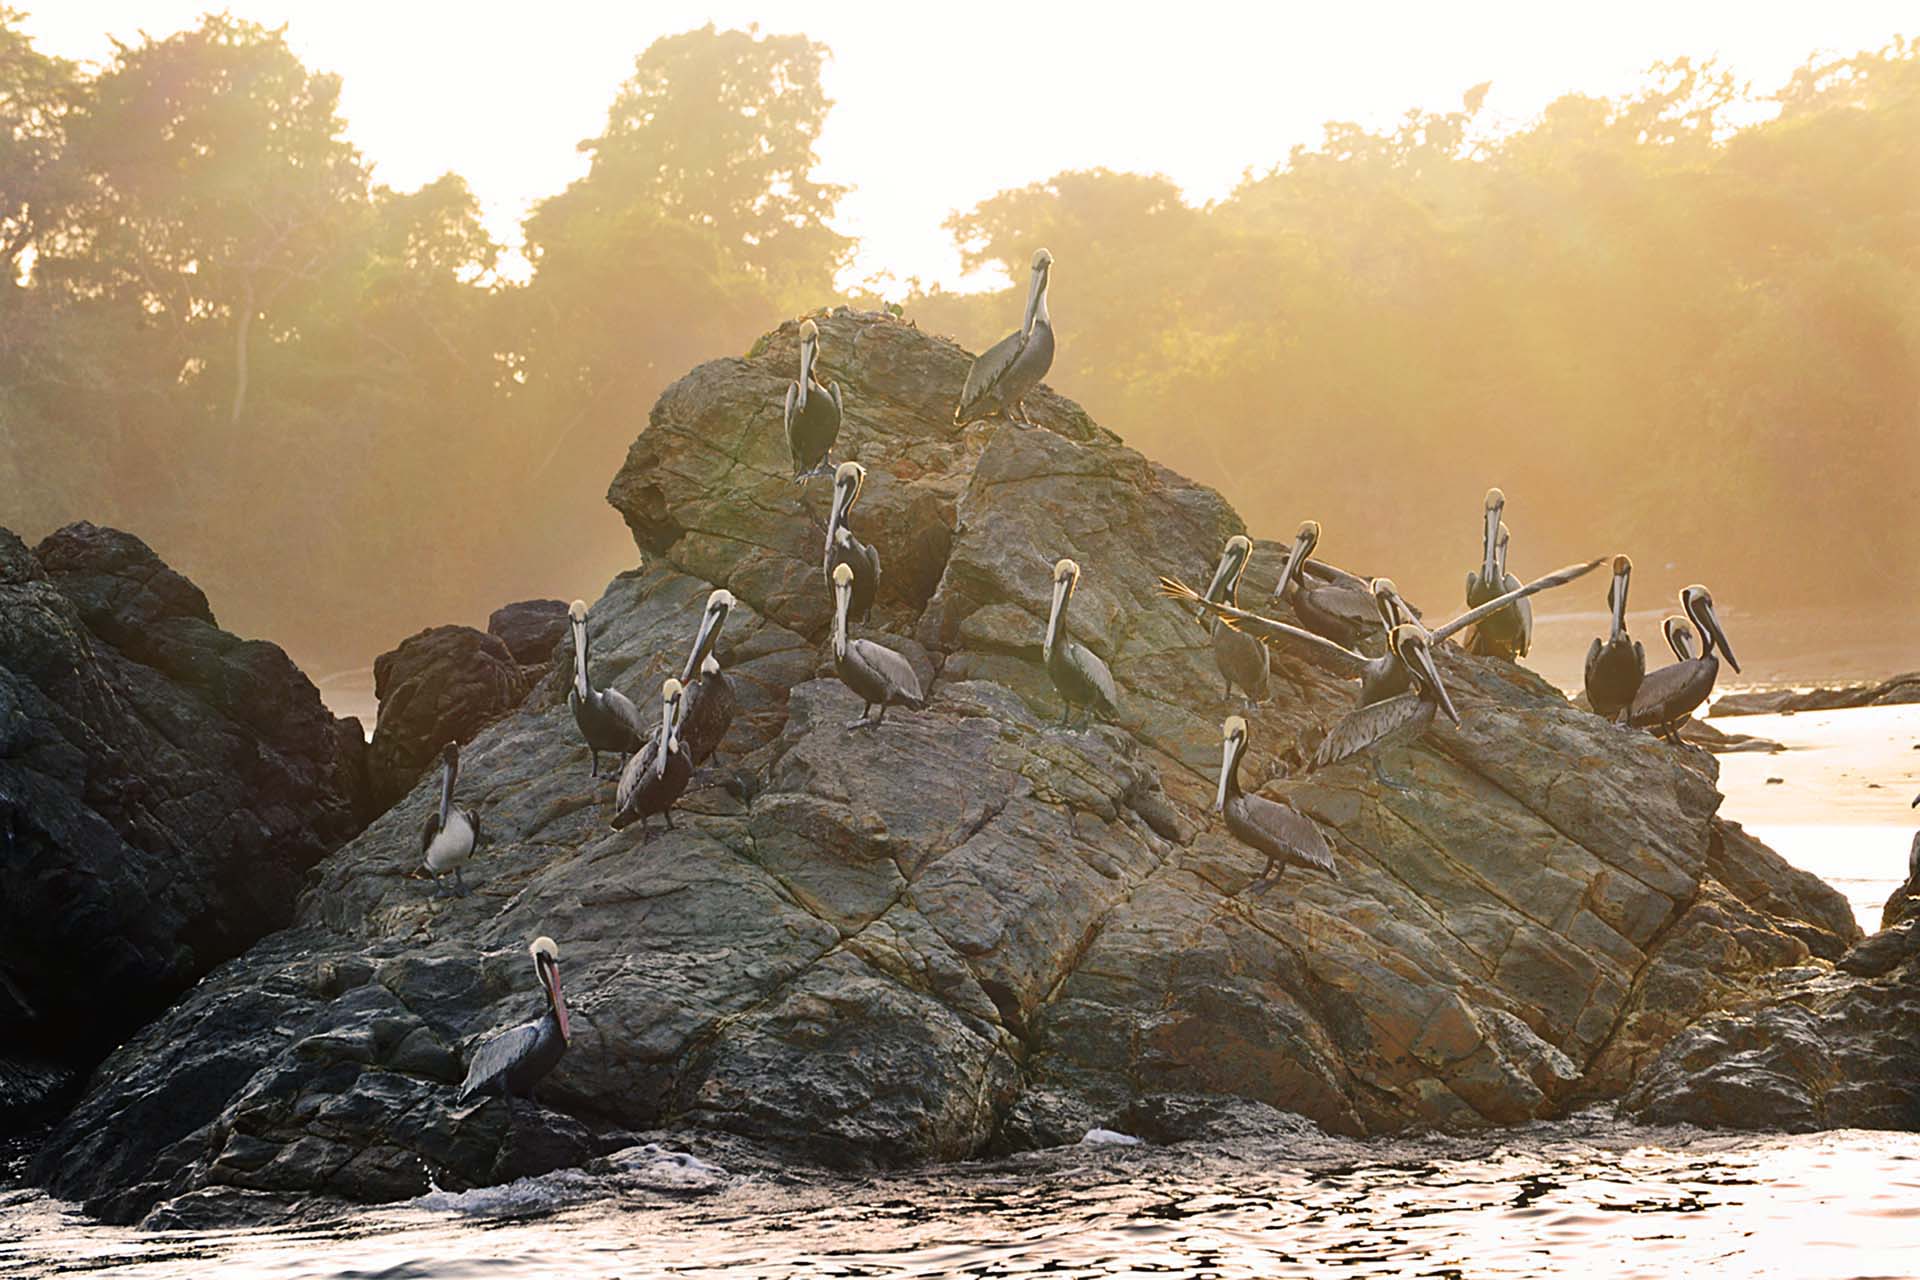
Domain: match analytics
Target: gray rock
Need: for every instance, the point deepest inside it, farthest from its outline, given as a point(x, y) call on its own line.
point(965, 930)
point(441, 685)
point(530, 629)
point(1895, 689)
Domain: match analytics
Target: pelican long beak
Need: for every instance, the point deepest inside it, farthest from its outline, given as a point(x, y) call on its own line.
point(667, 712)
point(1060, 590)
point(1430, 674)
point(580, 657)
point(1226, 768)
point(1709, 620)
point(1292, 567)
point(703, 643)
point(1618, 597)
point(1223, 578)
point(1034, 285)
point(550, 979)
point(1489, 552)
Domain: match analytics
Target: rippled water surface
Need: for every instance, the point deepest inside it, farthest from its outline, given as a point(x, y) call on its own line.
point(1581, 1197)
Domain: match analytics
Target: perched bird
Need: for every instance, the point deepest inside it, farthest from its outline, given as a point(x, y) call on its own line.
point(1671, 694)
point(844, 548)
point(658, 773)
point(880, 676)
point(1286, 836)
point(1241, 658)
point(813, 412)
point(1382, 677)
point(1342, 610)
point(450, 832)
point(511, 1062)
point(1501, 634)
point(1082, 680)
point(1616, 665)
point(1523, 606)
point(710, 701)
point(1401, 718)
point(1679, 637)
point(607, 718)
point(1011, 368)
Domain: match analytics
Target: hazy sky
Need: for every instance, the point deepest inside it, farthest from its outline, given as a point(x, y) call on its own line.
point(938, 109)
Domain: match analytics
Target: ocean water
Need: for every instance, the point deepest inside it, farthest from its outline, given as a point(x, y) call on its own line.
point(1588, 1196)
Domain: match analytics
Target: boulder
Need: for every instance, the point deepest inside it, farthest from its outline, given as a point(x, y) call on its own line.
point(441, 685)
point(1895, 689)
point(164, 788)
point(969, 929)
point(530, 629)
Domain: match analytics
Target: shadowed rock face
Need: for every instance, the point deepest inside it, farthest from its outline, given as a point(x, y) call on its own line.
point(164, 786)
point(441, 685)
point(965, 928)
point(530, 629)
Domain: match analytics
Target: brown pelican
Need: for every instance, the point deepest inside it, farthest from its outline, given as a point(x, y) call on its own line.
point(709, 703)
point(450, 832)
point(1241, 658)
point(1501, 634)
point(1401, 718)
point(1003, 375)
point(1343, 611)
point(813, 412)
point(657, 774)
point(1082, 679)
point(1381, 677)
point(1523, 607)
point(1286, 836)
point(1679, 637)
point(511, 1062)
point(1616, 665)
point(1672, 693)
point(843, 548)
point(880, 676)
point(607, 718)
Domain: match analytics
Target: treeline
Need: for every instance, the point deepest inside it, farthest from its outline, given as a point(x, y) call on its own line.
point(1686, 323)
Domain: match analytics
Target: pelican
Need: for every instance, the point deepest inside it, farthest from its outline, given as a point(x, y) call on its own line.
point(1001, 378)
point(1401, 718)
point(657, 774)
point(1523, 607)
point(1679, 637)
point(1082, 679)
point(1672, 693)
point(1241, 658)
point(843, 548)
point(1501, 634)
point(880, 676)
point(607, 718)
point(511, 1062)
point(1343, 610)
point(813, 412)
point(1616, 665)
point(1286, 836)
point(1382, 677)
point(710, 702)
point(450, 832)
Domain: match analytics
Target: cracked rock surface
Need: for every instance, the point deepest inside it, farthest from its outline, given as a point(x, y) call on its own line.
point(967, 929)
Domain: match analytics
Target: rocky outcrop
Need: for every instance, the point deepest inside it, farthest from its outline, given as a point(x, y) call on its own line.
point(441, 685)
point(969, 928)
point(530, 629)
point(1888, 692)
point(1811, 1047)
point(164, 788)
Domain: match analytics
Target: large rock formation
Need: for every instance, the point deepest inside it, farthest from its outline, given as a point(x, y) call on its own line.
point(164, 787)
point(968, 927)
point(441, 685)
point(530, 629)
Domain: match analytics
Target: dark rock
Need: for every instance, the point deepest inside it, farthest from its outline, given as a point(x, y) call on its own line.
point(530, 629)
point(1179, 1117)
point(966, 928)
point(1895, 689)
point(1710, 737)
point(441, 685)
point(164, 788)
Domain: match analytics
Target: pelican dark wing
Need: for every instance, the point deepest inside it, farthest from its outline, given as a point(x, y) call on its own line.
point(1558, 578)
point(986, 373)
point(892, 668)
point(498, 1055)
point(1402, 715)
point(1283, 833)
point(1325, 653)
point(1099, 677)
point(1673, 692)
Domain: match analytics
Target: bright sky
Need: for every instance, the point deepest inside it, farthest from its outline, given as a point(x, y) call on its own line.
point(938, 109)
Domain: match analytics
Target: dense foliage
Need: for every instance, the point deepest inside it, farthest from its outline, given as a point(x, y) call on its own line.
point(1688, 320)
